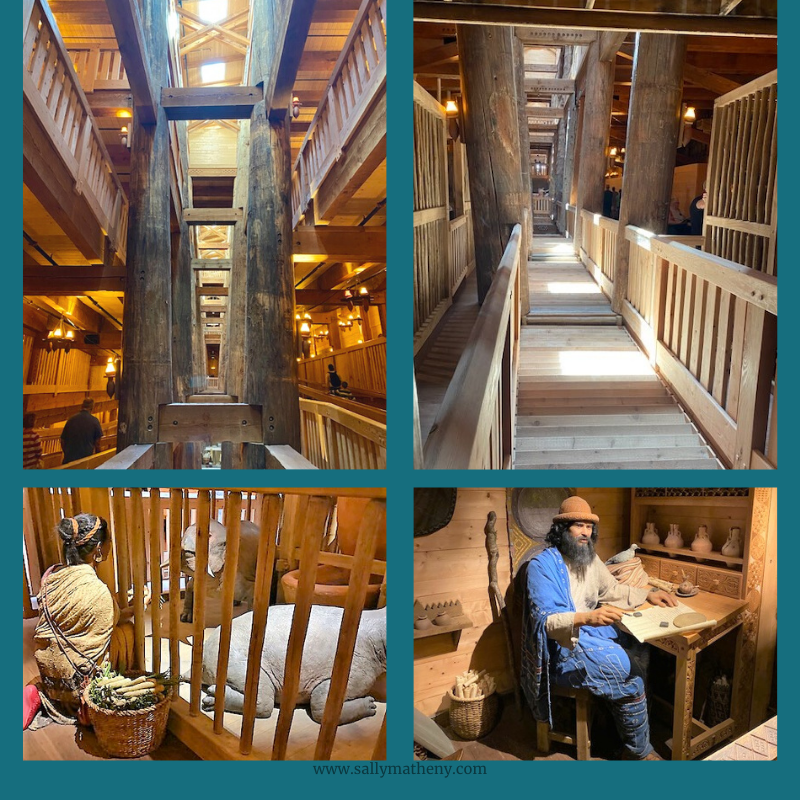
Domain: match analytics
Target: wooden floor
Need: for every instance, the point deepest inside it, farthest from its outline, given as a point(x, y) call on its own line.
point(587, 396)
point(437, 365)
point(354, 742)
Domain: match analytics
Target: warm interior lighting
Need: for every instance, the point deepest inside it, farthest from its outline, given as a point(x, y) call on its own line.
point(123, 129)
point(212, 10)
point(612, 151)
point(305, 329)
point(451, 107)
point(110, 368)
point(212, 73)
point(363, 290)
point(690, 115)
point(124, 114)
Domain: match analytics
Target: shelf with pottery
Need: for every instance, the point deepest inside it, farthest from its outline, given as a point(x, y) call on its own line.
point(440, 618)
point(688, 553)
point(704, 540)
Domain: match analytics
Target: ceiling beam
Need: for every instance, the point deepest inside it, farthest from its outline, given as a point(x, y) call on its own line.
point(327, 243)
point(212, 216)
point(128, 29)
point(72, 280)
point(551, 36)
point(446, 54)
point(519, 12)
point(727, 6)
point(315, 297)
point(210, 102)
point(708, 80)
point(549, 86)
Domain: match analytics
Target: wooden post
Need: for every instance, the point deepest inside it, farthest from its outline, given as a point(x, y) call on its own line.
point(185, 381)
point(175, 534)
point(139, 575)
point(199, 610)
point(155, 575)
point(270, 367)
point(237, 299)
point(491, 123)
point(654, 120)
point(525, 174)
point(598, 98)
point(146, 379)
point(121, 548)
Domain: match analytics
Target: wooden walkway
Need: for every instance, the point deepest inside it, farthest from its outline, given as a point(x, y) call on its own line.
point(439, 357)
point(587, 396)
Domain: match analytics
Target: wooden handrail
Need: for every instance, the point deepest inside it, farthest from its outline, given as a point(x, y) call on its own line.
point(475, 424)
point(354, 87)
point(54, 94)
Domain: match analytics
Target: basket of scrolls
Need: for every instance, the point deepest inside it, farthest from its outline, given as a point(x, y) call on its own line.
point(474, 705)
point(129, 722)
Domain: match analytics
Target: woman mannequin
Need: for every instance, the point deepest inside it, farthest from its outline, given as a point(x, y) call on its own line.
point(78, 613)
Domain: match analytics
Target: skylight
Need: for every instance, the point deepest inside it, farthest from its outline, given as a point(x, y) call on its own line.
point(211, 11)
point(212, 73)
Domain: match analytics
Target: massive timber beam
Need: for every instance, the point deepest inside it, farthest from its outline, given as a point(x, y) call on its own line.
point(541, 112)
point(552, 36)
point(708, 80)
point(518, 12)
point(549, 86)
point(72, 281)
point(212, 216)
point(129, 32)
point(330, 243)
point(210, 102)
point(315, 297)
point(294, 38)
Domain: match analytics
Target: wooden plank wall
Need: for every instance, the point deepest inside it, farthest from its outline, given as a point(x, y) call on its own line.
point(451, 564)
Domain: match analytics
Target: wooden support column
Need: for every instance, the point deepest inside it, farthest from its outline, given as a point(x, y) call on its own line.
point(491, 122)
point(525, 173)
point(653, 126)
point(270, 365)
point(597, 102)
point(146, 379)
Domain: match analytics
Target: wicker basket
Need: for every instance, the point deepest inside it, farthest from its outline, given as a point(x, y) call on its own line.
point(475, 717)
point(130, 734)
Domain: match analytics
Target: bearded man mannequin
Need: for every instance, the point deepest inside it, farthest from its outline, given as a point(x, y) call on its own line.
point(569, 636)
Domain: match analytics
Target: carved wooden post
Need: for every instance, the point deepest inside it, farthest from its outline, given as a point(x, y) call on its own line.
point(525, 175)
point(653, 125)
point(491, 121)
point(146, 379)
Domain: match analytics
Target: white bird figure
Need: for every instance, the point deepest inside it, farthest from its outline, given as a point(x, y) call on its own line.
point(625, 555)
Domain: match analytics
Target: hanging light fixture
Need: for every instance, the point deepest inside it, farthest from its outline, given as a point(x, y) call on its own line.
point(60, 338)
point(690, 115)
point(296, 105)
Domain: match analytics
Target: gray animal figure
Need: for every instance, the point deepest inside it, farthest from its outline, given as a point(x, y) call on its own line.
point(319, 652)
point(217, 548)
point(625, 555)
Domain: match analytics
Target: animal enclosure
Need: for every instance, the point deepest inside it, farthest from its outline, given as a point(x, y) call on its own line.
point(302, 531)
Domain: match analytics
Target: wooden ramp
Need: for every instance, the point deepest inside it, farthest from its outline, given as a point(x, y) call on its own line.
point(587, 396)
point(437, 361)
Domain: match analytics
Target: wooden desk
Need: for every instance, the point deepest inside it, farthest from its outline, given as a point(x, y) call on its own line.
point(690, 737)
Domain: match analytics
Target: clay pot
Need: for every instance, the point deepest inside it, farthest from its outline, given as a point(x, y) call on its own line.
point(733, 547)
point(650, 535)
point(674, 539)
point(701, 542)
point(349, 512)
point(331, 587)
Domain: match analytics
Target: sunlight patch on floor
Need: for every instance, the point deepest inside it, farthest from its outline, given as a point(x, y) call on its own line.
point(602, 363)
point(572, 288)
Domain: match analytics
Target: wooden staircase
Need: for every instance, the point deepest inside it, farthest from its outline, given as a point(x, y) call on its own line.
point(587, 396)
point(437, 361)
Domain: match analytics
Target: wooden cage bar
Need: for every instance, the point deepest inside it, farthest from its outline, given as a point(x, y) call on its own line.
point(296, 529)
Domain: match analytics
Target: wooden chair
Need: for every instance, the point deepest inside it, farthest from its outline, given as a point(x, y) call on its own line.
point(583, 723)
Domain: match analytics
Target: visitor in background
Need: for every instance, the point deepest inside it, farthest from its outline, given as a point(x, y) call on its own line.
point(608, 202)
point(677, 223)
point(345, 392)
point(334, 381)
point(697, 212)
point(81, 434)
point(32, 456)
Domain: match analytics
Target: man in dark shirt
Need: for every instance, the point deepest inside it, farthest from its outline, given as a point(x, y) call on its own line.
point(81, 433)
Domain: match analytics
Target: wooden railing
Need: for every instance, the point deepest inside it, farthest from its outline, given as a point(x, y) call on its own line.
point(709, 327)
point(363, 366)
point(145, 531)
point(51, 88)
point(474, 428)
point(334, 438)
point(542, 205)
point(357, 81)
point(460, 251)
point(98, 68)
point(599, 248)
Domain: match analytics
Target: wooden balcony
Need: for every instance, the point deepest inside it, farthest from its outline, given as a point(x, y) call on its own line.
point(348, 121)
point(66, 164)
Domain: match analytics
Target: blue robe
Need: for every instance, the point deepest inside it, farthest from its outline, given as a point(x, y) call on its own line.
point(598, 661)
